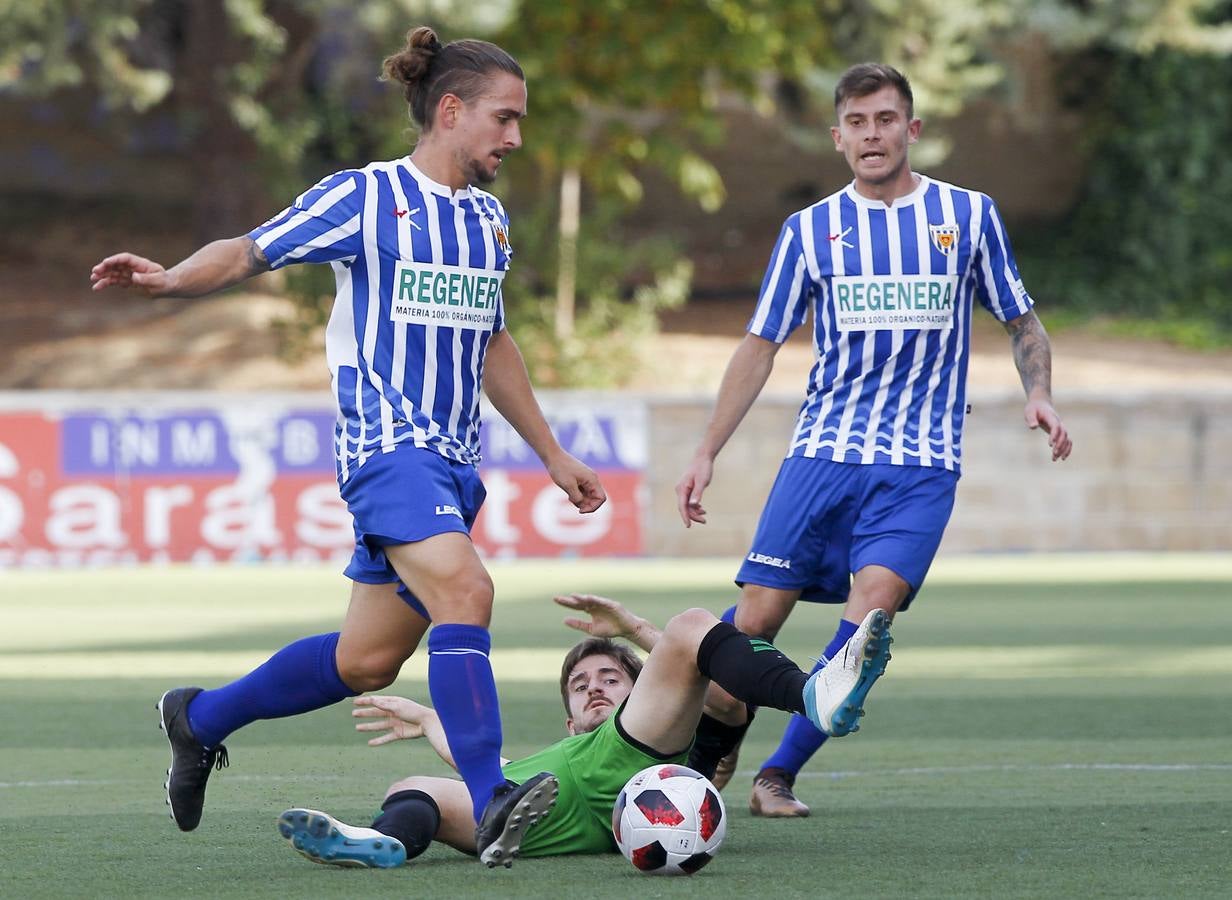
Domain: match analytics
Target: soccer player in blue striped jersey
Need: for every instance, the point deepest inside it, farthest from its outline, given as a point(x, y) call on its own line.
point(891, 268)
point(419, 254)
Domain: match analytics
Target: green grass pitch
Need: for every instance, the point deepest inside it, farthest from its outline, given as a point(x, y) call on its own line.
point(1049, 727)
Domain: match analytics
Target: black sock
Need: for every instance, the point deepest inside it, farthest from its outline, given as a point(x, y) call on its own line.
point(714, 741)
point(412, 817)
point(751, 669)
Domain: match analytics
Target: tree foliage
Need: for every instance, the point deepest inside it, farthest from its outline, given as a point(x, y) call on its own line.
point(623, 87)
point(47, 45)
point(620, 85)
point(1133, 26)
point(1147, 238)
point(270, 94)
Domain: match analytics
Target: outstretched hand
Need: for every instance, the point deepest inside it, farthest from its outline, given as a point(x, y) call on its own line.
point(129, 271)
point(607, 617)
point(579, 481)
point(1040, 414)
point(401, 719)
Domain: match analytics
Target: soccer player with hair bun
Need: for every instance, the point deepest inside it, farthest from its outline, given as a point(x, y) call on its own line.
point(889, 268)
point(419, 252)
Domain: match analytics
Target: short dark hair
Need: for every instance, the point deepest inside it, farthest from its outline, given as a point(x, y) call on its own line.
point(428, 69)
point(867, 78)
point(597, 646)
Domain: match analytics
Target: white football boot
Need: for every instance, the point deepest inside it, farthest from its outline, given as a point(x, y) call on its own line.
point(834, 695)
point(324, 839)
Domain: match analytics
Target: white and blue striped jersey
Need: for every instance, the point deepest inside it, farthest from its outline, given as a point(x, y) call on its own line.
point(891, 290)
point(418, 268)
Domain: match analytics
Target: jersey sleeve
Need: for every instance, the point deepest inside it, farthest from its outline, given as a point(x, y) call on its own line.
point(498, 323)
point(784, 299)
point(504, 251)
point(502, 216)
point(322, 225)
point(999, 287)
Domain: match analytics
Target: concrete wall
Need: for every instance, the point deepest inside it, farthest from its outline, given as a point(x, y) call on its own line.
point(1150, 471)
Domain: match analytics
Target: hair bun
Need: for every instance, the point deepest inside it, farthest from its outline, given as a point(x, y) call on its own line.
point(409, 67)
point(424, 38)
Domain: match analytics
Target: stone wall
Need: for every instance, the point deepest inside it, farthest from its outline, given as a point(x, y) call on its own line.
point(1150, 471)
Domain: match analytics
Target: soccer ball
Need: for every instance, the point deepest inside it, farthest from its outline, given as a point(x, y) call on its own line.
point(669, 820)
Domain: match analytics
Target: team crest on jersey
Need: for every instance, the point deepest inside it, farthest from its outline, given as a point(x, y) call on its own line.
point(501, 238)
point(945, 238)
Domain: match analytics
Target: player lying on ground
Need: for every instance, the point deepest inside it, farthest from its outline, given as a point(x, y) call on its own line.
point(656, 715)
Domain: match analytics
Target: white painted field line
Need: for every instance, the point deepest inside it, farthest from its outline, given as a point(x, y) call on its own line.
point(1011, 767)
point(970, 662)
point(1079, 568)
point(1180, 768)
point(112, 782)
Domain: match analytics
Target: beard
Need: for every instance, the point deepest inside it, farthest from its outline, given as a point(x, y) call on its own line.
point(601, 715)
point(476, 173)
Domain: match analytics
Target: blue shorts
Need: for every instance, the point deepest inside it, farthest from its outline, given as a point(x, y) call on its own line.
point(825, 520)
point(401, 497)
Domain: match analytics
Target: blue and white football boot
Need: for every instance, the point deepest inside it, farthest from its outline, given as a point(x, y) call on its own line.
point(834, 695)
point(324, 839)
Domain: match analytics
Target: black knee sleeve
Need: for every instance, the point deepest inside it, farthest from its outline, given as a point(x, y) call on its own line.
point(751, 669)
point(412, 817)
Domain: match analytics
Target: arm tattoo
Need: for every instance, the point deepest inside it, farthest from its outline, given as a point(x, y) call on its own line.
point(1032, 353)
point(257, 263)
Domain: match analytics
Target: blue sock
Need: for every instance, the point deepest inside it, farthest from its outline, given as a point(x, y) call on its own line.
point(297, 679)
point(802, 738)
point(464, 694)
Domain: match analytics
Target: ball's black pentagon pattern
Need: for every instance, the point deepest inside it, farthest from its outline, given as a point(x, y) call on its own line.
point(709, 815)
point(658, 808)
point(618, 812)
point(695, 862)
point(672, 770)
point(651, 857)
